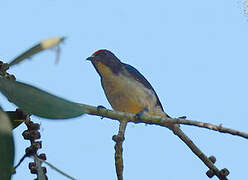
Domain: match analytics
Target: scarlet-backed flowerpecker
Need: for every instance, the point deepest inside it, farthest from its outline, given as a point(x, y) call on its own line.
point(126, 89)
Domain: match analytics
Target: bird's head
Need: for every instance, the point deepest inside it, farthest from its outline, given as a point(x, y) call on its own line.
point(104, 61)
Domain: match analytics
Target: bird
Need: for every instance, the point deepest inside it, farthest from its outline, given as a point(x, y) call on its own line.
point(126, 89)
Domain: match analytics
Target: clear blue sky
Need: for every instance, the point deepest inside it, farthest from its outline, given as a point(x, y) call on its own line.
point(193, 52)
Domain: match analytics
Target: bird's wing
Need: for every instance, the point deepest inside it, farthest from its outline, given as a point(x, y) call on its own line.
point(140, 78)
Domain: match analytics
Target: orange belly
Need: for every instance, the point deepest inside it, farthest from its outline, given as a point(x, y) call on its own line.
point(126, 96)
point(125, 104)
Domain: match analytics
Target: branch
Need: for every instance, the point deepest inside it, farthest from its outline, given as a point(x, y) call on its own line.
point(166, 122)
point(177, 131)
point(158, 120)
point(119, 139)
point(40, 172)
point(212, 127)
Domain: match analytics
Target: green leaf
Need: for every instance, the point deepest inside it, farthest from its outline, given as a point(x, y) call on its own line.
point(6, 147)
point(38, 102)
point(43, 45)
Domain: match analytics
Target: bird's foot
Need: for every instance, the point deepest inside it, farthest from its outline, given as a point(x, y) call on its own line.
point(182, 117)
point(99, 109)
point(139, 114)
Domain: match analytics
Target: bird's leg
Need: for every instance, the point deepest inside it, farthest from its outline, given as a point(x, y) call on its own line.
point(139, 114)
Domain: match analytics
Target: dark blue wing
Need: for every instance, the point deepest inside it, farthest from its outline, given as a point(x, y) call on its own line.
point(139, 77)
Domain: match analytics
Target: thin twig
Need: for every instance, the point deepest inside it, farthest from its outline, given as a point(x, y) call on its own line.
point(119, 138)
point(56, 169)
point(213, 127)
point(21, 160)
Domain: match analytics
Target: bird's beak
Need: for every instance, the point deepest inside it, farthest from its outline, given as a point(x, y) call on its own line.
point(90, 58)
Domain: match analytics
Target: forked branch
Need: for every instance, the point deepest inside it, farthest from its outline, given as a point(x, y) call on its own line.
point(162, 121)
